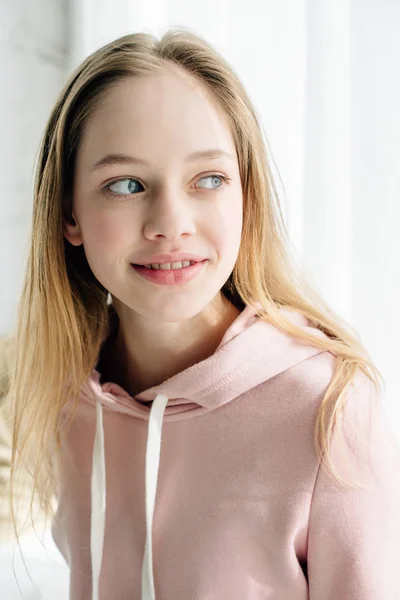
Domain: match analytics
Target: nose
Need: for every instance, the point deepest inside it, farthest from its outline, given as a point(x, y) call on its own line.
point(171, 215)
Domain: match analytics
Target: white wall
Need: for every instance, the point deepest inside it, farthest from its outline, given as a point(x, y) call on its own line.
point(33, 66)
point(33, 55)
point(375, 129)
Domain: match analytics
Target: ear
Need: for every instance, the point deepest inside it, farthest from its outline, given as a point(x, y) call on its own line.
point(72, 232)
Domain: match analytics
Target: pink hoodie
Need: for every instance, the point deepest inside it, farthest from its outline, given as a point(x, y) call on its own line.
point(208, 487)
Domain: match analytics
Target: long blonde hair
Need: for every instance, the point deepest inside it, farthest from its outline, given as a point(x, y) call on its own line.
point(63, 309)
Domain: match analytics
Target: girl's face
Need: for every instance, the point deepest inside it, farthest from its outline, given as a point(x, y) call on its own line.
point(127, 210)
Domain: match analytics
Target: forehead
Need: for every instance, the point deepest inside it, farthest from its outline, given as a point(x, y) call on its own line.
point(156, 114)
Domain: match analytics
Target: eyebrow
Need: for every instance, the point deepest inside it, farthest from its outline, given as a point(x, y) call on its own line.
point(124, 159)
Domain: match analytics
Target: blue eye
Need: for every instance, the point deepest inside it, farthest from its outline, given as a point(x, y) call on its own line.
point(131, 188)
point(214, 176)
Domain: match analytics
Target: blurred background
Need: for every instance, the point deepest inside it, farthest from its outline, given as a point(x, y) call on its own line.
point(324, 78)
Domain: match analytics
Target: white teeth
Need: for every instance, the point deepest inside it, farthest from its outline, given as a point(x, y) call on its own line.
point(170, 266)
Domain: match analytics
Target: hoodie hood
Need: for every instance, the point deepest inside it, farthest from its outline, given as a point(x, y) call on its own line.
point(251, 352)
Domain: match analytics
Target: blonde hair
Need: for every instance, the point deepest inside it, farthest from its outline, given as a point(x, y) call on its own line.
point(63, 311)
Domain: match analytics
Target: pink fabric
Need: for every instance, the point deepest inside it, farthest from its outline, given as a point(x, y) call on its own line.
point(242, 509)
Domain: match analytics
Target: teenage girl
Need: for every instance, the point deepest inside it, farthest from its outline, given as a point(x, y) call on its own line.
point(180, 396)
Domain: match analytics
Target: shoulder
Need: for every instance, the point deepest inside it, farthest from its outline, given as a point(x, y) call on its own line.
point(311, 377)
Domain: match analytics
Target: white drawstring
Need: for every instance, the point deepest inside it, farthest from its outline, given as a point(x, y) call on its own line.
point(98, 502)
point(152, 464)
point(99, 495)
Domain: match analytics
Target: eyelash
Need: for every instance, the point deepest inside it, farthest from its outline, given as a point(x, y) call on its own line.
point(108, 192)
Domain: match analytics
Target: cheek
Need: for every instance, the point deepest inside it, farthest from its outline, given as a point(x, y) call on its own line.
point(105, 240)
point(226, 228)
point(106, 231)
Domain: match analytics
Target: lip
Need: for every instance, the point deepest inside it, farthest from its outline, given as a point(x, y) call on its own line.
point(169, 258)
point(170, 276)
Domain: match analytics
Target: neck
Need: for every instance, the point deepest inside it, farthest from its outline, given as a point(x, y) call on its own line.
point(139, 358)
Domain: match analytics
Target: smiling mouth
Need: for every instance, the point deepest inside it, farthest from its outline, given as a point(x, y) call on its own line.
point(170, 276)
point(192, 262)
